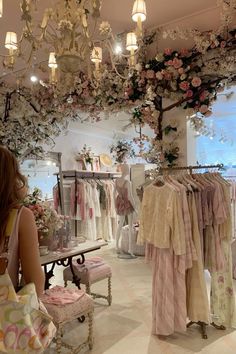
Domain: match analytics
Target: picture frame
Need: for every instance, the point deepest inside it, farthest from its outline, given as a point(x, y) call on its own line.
point(96, 164)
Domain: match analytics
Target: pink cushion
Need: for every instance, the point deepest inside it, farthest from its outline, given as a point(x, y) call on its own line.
point(69, 312)
point(88, 276)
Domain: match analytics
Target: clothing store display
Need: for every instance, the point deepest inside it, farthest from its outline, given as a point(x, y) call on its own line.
point(186, 223)
point(89, 202)
point(122, 203)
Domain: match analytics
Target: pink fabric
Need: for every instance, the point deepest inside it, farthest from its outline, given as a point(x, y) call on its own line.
point(89, 263)
point(69, 312)
point(72, 199)
point(59, 295)
point(168, 300)
point(122, 203)
point(81, 199)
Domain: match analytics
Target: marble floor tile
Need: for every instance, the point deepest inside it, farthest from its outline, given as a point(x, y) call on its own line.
point(125, 327)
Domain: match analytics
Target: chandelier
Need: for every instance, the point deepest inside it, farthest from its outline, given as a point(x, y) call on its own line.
point(75, 38)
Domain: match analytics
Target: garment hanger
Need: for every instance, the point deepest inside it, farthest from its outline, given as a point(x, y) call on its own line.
point(159, 181)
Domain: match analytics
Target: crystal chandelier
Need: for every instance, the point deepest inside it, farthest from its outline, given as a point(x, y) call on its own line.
point(69, 32)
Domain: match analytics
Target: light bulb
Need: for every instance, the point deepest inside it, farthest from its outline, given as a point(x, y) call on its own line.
point(118, 49)
point(33, 78)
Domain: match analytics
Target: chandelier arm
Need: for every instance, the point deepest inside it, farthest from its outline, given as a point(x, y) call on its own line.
point(117, 72)
point(109, 46)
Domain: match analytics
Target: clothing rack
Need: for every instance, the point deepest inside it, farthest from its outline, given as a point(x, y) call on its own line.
point(74, 175)
point(158, 171)
point(89, 174)
point(191, 168)
point(202, 325)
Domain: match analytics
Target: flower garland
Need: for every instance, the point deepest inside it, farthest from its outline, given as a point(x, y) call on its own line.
point(190, 78)
point(122, 150)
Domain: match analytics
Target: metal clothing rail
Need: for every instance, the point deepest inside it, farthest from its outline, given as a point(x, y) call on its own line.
point(191, 168)
point(73, 174)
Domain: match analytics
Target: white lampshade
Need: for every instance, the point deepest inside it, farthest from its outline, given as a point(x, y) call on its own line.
point(139, 11)
point(52, 63)
point(96, 55)
point(131, 41)
point(1, 8)
point(11, 40)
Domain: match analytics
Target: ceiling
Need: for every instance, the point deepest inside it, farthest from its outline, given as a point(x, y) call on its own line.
point(168, 13)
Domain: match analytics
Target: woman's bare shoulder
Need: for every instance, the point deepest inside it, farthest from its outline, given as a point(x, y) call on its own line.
point(26, 216)
point(26, 212)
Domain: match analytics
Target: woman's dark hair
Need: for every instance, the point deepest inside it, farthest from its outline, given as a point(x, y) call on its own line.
point(11, 182)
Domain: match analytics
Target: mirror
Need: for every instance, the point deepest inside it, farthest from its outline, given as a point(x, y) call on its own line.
point(42, 172)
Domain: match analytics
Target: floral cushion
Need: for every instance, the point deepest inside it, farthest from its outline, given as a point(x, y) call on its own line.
point(69, 312)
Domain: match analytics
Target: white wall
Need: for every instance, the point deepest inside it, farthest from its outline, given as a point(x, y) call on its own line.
point(73, 142)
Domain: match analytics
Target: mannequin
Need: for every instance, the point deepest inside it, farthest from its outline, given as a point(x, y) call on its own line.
point(125, 205)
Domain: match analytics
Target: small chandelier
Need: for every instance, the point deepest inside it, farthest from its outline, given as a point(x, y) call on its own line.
point(68, 31)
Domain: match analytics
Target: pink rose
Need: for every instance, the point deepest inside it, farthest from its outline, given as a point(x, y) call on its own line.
point(184, 85)
point(169, 63)
point(189, 93)
point(184, 52)
point(143, 74)
point(181, 71)
point(177, 63)
point(196, 81)
point(203, 96)
point(223, 44)
point(203, 108)
point(150, 74)
point(168, 51)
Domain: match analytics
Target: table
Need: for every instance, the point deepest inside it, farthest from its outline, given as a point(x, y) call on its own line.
point(65, 259)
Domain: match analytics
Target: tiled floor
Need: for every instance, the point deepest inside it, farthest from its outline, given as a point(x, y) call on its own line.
point(125, 326)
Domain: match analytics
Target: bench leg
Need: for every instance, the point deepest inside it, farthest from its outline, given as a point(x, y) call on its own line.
point(88, 290)
point(58, 340)
point(109, 292)
point(90, 330)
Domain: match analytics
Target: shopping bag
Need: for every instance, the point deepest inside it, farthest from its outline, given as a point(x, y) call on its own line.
point(25, 325)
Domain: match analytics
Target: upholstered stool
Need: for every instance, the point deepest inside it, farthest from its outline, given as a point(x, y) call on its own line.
point(62, 314)
point(91, 271)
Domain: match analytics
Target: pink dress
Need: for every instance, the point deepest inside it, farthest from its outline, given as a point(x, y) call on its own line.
point(122, 203)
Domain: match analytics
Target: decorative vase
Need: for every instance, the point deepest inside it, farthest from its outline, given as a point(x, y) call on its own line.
point(88, 166)
point(45, 238)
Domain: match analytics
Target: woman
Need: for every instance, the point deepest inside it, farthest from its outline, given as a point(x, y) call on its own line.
point(23, 243)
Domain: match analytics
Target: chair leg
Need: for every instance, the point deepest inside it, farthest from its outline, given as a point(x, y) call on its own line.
point(65, 283)
point(58, 340)
point(88, 290)
point(90, 330)
point(109, 292)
